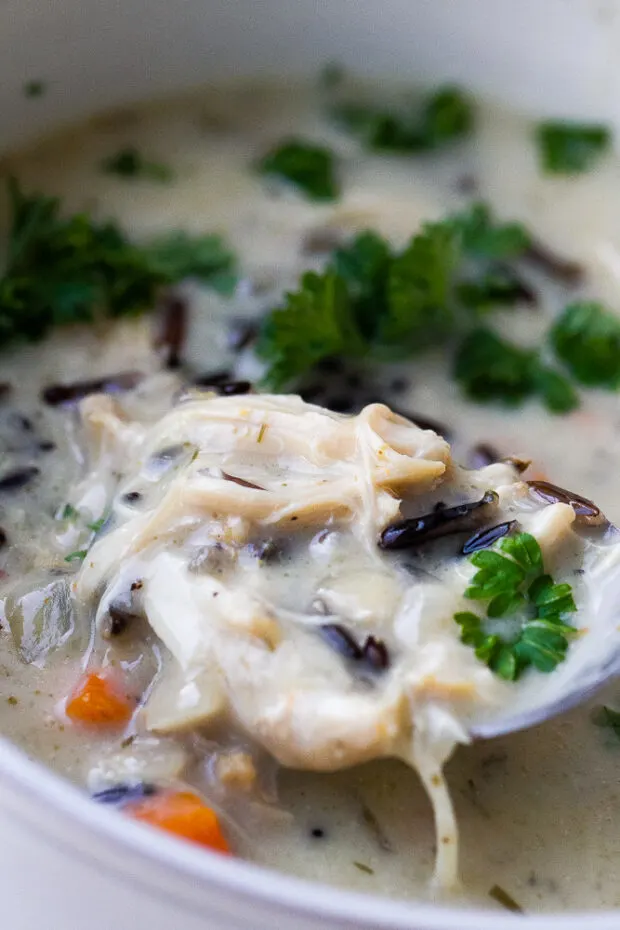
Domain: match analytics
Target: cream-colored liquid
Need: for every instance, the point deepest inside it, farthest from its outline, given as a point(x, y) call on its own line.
point(538, 811)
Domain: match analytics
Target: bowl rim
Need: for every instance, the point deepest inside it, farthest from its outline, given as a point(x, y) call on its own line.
point(285, 893)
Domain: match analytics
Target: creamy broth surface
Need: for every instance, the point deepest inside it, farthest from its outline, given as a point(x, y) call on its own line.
point(537, 811)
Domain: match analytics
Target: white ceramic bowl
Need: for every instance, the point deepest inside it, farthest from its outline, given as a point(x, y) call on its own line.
point(66, 864)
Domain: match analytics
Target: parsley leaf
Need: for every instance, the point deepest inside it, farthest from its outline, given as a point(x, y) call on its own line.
point(516, 586)
point(60, 270)
point(206, 258)
point(555, 390)
point(498, 287)
point(489, 368)
point(586, 337)
point(69, 513)
point(447, 114)
point(78, 556)
point(427, 295)
point(496, 575)
point(524, 549)
point(419, 311)
point(130, 163)
point(571, 148)
point(364, 264)
point(444, 116)
point(482, 237)
point(315, 322)
point(309, 167)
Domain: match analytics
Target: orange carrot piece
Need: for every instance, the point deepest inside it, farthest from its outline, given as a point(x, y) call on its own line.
point(184, 814)
point(98, 700)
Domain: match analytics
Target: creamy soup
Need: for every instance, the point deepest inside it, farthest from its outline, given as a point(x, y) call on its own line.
point(81, 482)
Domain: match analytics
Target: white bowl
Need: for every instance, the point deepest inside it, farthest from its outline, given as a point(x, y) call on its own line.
point(66, 864)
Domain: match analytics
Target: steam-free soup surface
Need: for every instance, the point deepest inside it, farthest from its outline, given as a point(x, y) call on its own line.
point(538, 810)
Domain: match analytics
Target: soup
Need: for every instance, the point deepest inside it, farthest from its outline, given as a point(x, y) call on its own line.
point(197, 165)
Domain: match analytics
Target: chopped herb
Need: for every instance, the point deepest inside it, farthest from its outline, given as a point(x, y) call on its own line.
point(364, 868)
point(571, 148)
point(483, 237)
point(261, 432)
point(12, 700)
point(380, 304)
point(499, 287)
point(206, 258)
point(97, 524)
point(419, 311)
point(130, 163)
point(586, 337)
point(608, 718)
point(489, 368)
point(514, 583)
point(364, 264)
point(375, 827)
point(69, 512)
point(60, 270)
point(34, 89)
point(555, 390)
point(315, 322)
point(307, 166)
point(507, 901)
point(444, 117)
point(78, 556)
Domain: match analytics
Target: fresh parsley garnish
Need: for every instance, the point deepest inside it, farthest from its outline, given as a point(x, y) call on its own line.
point(489, 368)
point(69, 512)
point(130, 163)
point(444, 117)
point(524, 623)
point(307, 166)
point(419, 311)
point(555, 390)
point(96, 525)
point(315, 322)
point(389, 304)
point(571, 148)
point(78, 556)
point(205, 258)
point(586, 337)
point(61, 269)
point(484, 237)
point(497, 287)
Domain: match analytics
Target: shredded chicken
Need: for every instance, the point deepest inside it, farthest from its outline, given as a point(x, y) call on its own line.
point(244, 637)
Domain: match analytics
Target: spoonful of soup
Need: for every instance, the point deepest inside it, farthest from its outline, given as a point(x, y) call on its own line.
point(336, 587)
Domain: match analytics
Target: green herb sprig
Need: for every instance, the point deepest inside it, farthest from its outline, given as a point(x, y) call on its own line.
point(309, 167)
point(571, 148)
point(61, 269)
point(374, 302)
point(586, 337)
point(517, 589)
point(130, 163)
point(445, 116)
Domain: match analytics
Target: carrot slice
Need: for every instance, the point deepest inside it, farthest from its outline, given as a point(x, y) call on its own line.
point(182, 813)
point(99, 700)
